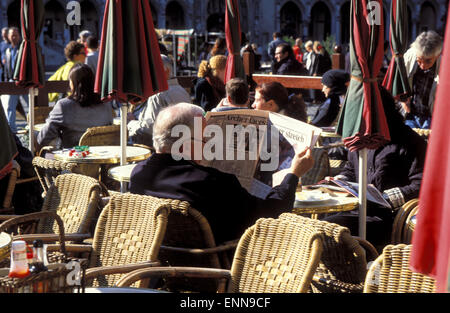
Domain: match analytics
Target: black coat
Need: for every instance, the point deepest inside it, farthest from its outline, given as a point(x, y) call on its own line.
point(204, 95)
point(327, 112)
point(228, 207)
point(289, 66)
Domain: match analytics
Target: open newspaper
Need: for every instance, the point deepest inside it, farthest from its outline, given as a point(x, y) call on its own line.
point(258, 146)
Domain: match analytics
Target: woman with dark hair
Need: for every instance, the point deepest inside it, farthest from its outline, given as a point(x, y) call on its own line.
point(219, 48)
point(72, 115)
point(334, 83)
point(274, 97)
point(395, 169)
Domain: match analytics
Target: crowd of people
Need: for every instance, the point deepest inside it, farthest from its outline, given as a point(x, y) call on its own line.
point(395, 168)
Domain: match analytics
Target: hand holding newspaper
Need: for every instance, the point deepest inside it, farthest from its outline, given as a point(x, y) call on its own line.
point(258, 146)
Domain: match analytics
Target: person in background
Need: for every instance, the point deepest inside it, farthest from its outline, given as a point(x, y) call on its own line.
point(175, 175)
point(285, 62)
point(75, 53)
point(320, 64)
point(82, 38)
point(10, 101)
point(395, 169)
point(298, 50)
point(205, 50)
point(309, 56)
point(422, 63)
point(274, 97)
point(209, 85)
point(219, 48)
point(273, 45)
point(92, 56)
point(334, 87)
point(72, 115)
point(140, 131)
point(4, 44)
point(236, 98)
point(258, 56)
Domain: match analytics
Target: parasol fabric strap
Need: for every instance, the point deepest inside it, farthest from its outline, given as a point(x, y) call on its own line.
point(365, 80)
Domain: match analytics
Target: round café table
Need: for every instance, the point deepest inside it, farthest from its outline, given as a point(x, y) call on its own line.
point(104, 155)
point(339, 202)
point(121, 173)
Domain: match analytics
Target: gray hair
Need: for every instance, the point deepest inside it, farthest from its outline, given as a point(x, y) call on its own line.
point(167, 62)
point(176, 115)
point(309, 43)
point(428, 44)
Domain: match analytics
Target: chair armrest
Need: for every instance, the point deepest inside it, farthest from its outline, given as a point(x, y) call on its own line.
point(339, 285)
point(46, 238)
point(7, 217)
point(93, 272)
point(371, 251)
point(224, 247)
point(78, 248)
point(195, 272)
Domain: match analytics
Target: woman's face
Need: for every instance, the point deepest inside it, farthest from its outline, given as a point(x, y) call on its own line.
point(326, 90)
point(261, 104)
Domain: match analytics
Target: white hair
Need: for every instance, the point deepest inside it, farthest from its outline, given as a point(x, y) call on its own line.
point(428, 44)
point(167, 62)
point(179, 114)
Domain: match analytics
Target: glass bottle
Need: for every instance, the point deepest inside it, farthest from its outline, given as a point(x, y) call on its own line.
point(38, 257)
point(19, 265)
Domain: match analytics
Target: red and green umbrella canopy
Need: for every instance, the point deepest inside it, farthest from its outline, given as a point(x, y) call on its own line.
point(431, 239)
point(362, 122)
point(396, 79)
point(29, 67)
point(235, 66)
point(130, 68)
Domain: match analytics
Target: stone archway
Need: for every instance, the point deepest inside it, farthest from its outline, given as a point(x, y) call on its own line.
point(291, 20)
point(320, 26)
point(345, 22)
point(174, 16)
point(13, 13)
point(154, 14)
point(216, 16)
point(428, 17)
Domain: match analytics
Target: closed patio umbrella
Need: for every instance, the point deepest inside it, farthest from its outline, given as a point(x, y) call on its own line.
point(430, 253)
point(396, 79)
point(362, 122)
point(235, 66)
point(130, 68)
point(29, 67)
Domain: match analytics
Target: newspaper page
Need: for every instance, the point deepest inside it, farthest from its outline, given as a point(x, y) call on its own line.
point(256, 145)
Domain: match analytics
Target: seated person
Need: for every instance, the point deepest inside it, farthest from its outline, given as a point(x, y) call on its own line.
point(395, 169)
point(286, 63)
point(274, 97)
point(72, 115)
point(209, 85)
point(219, 196)
point(140, 130)
point(237, 96)
point(334, 84)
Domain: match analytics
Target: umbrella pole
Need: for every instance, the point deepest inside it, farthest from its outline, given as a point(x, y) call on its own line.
point(174, 47)
point(31, 93)
point(123, 141)
point(362, 192)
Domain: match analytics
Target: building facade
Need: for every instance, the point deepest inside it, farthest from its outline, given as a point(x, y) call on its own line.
point(308, 19)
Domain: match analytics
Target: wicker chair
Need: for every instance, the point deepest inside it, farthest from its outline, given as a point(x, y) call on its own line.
point(400, 221)
point(101, 136)
point(321, 167)
point(273, 256)
point(40, 114)
point(343, 264)
point(127, 237)
point(390, 273)
point(7, 207)
point(189, 241)
point(47, 170)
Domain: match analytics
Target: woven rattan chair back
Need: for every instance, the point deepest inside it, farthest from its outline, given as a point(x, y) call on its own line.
point(400, 219)
point(276, 256)
point(101, 136)
point(47, 170)
point(40, 114)
point(6, 206)
point(130, 229)
point(343, 265)
point(188, 228)
point(390, 273)
point(75, 198)
point(321, 167)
